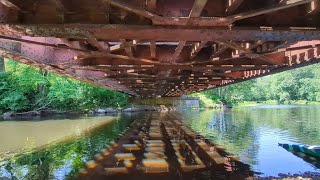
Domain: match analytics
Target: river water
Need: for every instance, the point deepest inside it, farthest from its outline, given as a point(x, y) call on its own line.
point(56, 148)
point(253, 133)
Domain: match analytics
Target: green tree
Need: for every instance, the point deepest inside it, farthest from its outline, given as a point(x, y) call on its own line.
point(298, 84)
point(25, 88)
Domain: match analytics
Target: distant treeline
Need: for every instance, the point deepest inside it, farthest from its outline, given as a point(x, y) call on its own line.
point(25, 88)
point(286, 87)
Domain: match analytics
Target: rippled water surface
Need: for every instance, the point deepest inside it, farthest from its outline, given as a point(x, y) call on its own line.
point(253, 133)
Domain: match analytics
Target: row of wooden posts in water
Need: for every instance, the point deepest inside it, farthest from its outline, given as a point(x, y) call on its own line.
point(160, 146)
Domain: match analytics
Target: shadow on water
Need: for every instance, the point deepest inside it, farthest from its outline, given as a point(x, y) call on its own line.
point(62, 161)
point(159, 146)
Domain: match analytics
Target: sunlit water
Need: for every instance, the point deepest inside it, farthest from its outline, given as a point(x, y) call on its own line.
point(253, 133)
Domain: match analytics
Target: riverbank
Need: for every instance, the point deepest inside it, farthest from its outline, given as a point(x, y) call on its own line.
point(210, 104)
point(97, 111)
point(274, 102)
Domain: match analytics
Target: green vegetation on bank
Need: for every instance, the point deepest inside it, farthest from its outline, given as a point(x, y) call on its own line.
point(25, 88)
point(298, 86)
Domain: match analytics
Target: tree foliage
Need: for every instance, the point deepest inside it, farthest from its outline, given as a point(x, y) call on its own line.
point(285, 87)
point(25, 88)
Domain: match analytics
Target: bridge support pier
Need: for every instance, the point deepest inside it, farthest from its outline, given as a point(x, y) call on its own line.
point(178, 102)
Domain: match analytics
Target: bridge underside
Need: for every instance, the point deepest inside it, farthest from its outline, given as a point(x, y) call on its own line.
point(158, 48)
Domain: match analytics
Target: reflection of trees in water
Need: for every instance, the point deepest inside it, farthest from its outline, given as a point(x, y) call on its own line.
point(238, 130)
point(62, 159)
point(302, 122)
point(231, 129)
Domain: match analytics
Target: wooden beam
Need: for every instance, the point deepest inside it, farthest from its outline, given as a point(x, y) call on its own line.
point(124, 45)
point(161, 33)
point(9, 4)
point(193, 21)
point(135, 10)
point(232, 6)
point(247, 52)
point(196, 48)
point(95, 43)
point(195, 12)
point(177, 51)
point(267, 10)
point(283, 44)
point(114, 56)
point(161, 67)
point(177, 78)
point(197, 8)
point(256, 44)
point(313, 8)
point(18, 40)
point(153, 49)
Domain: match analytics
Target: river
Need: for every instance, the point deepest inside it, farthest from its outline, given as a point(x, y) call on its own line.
point(55, 148)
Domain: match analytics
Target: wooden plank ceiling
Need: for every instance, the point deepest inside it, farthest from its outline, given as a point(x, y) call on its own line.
point(156, 48)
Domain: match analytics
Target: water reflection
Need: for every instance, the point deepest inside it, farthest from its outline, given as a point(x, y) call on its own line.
point(22, 136)
point(253, 133)
point(62, 161)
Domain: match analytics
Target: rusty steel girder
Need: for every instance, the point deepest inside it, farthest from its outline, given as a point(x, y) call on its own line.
point(154, 48)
